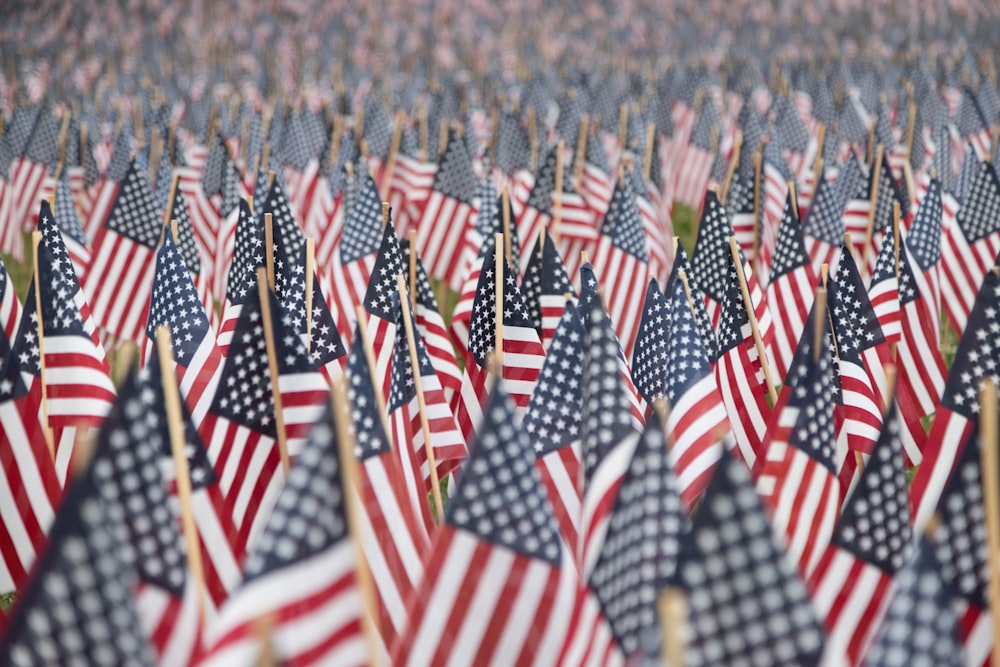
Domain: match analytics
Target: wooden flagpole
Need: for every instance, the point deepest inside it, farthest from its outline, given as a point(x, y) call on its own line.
point(758, 341)
point(557, 192)
point(390, 161)
point(168, 214)
point(795, 199)
point(272, 364)
point(413, 268)
point(818, 162)
point(385, 214)
point(63, 132)
point(36, 238)
point(872, 201)
point(342, 412)
point(622, 128)
point(508, 248)
point(647, 157)
point(819, 324)
point(366, 343)
point(418, 385)
point(581, 149)
point(269, 249)
point(687, 289)
point(423, 131)
point(498, 304)
point(758, 163)
point(335, 134)
point(988, 442)
point(671, 607)
point(442, 139)
point(533, 137)
point(175, 429)
point(734, 161)
point(310, 276)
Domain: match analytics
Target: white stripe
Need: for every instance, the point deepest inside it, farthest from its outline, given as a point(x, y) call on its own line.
point(488, 590)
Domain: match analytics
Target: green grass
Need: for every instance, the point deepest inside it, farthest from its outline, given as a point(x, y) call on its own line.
point(686, 226)
point(7, 601)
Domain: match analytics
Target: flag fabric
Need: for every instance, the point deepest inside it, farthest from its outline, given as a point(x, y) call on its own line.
point(69, 226)
point(302, 575)
point(544, 288)
point(241, 284)
point(431, 325)
point(30, 487)
point(957, 417)
point(682, 267)
point(790, 290)
point(923, 243)
point(123, 259)
point(775, 177)
point(873, 539)
point(381, 302)
point(461, 315)
point(77, 376)
point(823, 224)
point(553, 422)
point(10, 307)
point(197, 262)
point(970, 247)
point(394, 514)
point(696, 169)
point(622, 263)
point(499, 545)
point(797, 475)
point(643, 542)
point(884, 288)
point(80, 599)
point(523, 354)
point(448, 212)
point(129, 448)
point(920, 626)
point(744, 595)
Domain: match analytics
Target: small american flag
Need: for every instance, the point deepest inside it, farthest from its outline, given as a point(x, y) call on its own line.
point(123, 259)
point(248, 256)
point(68, 221)
point(500, 537)
point(302, 572)
point(744, 595)
point(823, 225)
point(872, 541)
point(544, 288)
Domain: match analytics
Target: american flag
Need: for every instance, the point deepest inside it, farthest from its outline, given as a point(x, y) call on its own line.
point(381, 302)
point(431, 325)
point(394, 514)
point(553, 422)
point(80, 600)
point(683, 265)
point(854, 187)
point(248, 256)
point(596, 180)
point(738, 371)
point(790, 290)
point(641, 551)
point(68, 221)
point(740, 208)
point(921, 626)
point(197, 262)
point(698, 416)
point(658, 228)
point(977, 358)
point(302, 574)
point(501, 542)
point(31, 165)
point(888, 194)
point(961, 546)
point(409, 190)
point(775, 177)
point(461, 315)
point(862, 355)
point(797, 476)
point(32, 489)
point(448, 212)
point(539, 206)
point(523, 354)
point(123, 259)
point(354, 257)
point(77, 376)
point(851, 584)
point(197, 364)
point(923, 243)
point(125, 469)
point(972, 127)
point(970, 247)
point(693, 174)
point(544, 288)
point(446, 440)
point(622, 263)
point(608, 435)
point(744, 595)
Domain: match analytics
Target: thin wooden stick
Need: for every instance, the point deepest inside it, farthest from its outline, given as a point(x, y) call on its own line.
point(498, 302)
point(647, 158)
point(818, 162)
point(174, 231)
point(418, 385)
point(872, 201)
point(36, 238)
point(765, 366)
point(988, 437)
point(310, 277)
point(508, 247)
point(895, 237)
point(423, 131)
point(175, 429)
point(581, 149)
point(533, 137)
point(342, 417)
point(335, 134)
point(442, 139)
point(793, 195)
point(734, 161)
point(671, 607)
point(557, 193)
point(385, 214)
point(819, 325)
point(169, 213)
point(63, 132)
point(269, 249)
point(687, 288)
point(272, 364)
point(623, 127)
point(366, 343)
point(413, 268)
point(758, 163)
point(390, 161)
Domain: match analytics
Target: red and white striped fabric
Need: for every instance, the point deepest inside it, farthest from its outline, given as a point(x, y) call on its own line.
point(884, 290)
point(203, 211)
point(409, 190)
point(302, 188)
point(775, 193)
point(461, 316)
point(10, 307)
point(590, 641)
point(27, 183)
point(596, 187)
point(693, 176)
point(576, 232)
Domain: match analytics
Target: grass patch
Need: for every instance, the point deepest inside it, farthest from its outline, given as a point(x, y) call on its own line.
point(686, 226)
point(7, 601)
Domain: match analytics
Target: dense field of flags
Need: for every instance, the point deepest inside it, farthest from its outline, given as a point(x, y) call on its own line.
point(411, 366)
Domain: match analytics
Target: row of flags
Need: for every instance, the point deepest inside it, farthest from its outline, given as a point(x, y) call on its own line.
point(424, 373)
